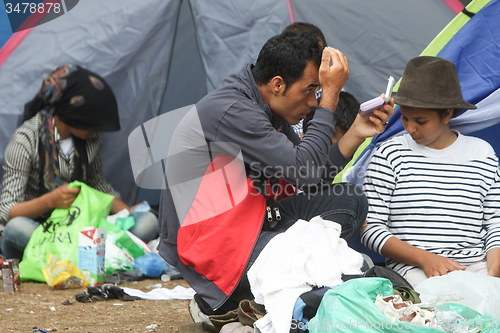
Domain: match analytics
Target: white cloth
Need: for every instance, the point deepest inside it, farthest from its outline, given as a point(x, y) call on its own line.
point(179, 292)
point(264, 325)
point(67, 146)
point(307, 254)
point(236, 327)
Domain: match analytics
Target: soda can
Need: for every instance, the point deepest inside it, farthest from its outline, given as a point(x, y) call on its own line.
point(10, 272)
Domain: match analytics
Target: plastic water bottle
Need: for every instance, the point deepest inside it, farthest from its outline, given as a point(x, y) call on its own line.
point(170, 273)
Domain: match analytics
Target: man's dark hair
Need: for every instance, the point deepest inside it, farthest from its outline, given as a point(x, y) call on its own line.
point(309, 28)
point(346, 111)
point(286, 55)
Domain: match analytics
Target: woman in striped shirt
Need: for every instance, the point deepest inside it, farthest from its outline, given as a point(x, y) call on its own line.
point(58, 142)
point(433, 194)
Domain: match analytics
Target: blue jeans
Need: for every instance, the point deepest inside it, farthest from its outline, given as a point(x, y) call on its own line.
point(342, 203)
point(19, 230)
point(16, 235)
point(146, 226)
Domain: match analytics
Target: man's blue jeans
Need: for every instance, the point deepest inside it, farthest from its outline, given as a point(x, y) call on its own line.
point(19, 230)
point(342, 203)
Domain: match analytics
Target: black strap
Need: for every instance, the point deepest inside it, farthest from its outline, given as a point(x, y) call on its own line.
point(41, 165)
point(81, 160)
point(466, 12)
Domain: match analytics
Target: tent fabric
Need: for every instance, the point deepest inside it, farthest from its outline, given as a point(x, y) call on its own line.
point(377, 37)
point(159, 55)
point(5, 28)
point(452, 28)
point(455, 5)
point(232, 32)
point(111, 38)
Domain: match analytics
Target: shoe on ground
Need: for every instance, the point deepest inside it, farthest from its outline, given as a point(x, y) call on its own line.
point(197, 315)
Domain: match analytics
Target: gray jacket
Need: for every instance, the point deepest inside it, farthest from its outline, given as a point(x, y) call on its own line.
point(236, 113)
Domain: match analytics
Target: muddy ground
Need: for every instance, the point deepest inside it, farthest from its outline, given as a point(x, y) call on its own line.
point(30, 309)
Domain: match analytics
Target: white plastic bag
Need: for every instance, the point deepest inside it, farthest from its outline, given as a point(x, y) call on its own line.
point(476, 291)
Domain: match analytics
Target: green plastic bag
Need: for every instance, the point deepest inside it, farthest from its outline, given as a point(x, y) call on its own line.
point(59, 235)
point(121, 250)
point(351, 308)
point(125, 223)
point(474, 321)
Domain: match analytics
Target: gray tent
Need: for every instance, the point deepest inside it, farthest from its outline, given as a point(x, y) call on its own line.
point(159, 55)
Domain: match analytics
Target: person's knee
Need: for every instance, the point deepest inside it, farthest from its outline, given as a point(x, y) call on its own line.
point(146, 227)
point(354, 198)
point(16, 236)
point(353, 204)
point(19, 227)
point(355, 191)
point(361, 202)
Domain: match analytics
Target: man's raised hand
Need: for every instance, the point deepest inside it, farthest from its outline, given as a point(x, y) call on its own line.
point(332, 77)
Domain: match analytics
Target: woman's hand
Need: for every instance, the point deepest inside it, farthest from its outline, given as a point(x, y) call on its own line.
point(432, 264)
point(63, 196)
point(436, 265)
point(493, 262)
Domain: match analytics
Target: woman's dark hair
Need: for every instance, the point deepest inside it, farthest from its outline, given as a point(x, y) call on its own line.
point(286, 55)
point(346, 112)
point(309, 28)
point(444, 112)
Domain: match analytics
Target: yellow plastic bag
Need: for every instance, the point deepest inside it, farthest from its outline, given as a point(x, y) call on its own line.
point(63, 274)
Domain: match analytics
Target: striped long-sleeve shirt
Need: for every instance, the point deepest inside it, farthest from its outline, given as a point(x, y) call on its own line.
point(444, 201)
point(21, 176)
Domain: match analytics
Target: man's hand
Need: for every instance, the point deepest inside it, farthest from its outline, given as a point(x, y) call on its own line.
point(436, 265)
point(365, 127)
point(63, 197)
point(332, 78)
point(373, 124)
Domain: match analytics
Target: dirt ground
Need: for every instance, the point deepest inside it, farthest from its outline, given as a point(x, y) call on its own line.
point(30, 309)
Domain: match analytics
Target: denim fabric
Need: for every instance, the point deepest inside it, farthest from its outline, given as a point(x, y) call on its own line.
point(16, 236)
point(146, 226)
point(19, 230)
point(342, 203)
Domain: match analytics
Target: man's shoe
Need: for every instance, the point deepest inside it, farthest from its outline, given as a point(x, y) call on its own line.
point(197, 315)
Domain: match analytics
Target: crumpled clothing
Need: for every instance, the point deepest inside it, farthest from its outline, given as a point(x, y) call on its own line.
point(247, 313)
point(102, 293)
point(394, 308)
point(179, 292)
point(408, 294)
point(236, 327)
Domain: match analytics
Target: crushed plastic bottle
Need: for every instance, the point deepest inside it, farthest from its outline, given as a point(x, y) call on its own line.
point(171, 273)
point(153, 286)
point(434, 301)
